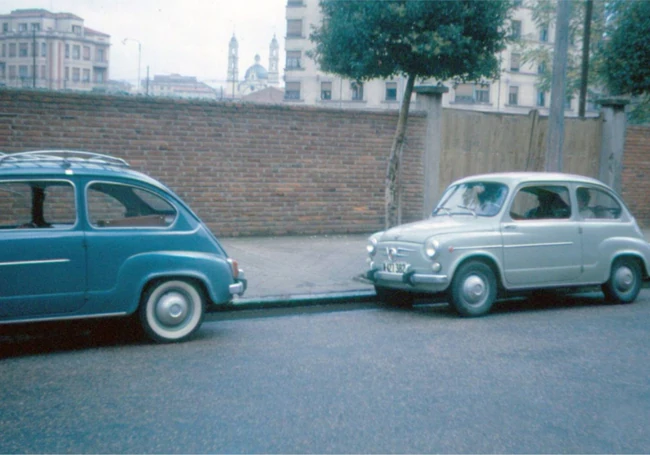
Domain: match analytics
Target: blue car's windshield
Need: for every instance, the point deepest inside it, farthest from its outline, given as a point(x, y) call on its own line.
point(473, 198)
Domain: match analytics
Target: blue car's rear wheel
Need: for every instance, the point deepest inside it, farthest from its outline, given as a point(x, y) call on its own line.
point(172, 310)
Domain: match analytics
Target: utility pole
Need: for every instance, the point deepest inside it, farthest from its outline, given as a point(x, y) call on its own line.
point(33, 57)
point(589, 7)
point(554, 154)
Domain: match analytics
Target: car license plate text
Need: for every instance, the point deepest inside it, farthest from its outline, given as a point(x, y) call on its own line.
point(396, 267)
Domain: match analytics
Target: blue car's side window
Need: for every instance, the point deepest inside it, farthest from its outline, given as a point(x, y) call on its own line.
point(37, 204)
point(113, 205)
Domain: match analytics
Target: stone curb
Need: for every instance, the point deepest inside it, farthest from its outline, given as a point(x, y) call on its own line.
point(298, 300)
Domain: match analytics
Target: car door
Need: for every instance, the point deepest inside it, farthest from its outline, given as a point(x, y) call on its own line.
point(42, 255)
point(541, 243)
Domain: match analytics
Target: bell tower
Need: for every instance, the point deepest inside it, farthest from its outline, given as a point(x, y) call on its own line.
point(274, 59)
point(233, 66)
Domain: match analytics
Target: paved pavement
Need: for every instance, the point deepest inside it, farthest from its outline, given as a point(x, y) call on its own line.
point(299, 270)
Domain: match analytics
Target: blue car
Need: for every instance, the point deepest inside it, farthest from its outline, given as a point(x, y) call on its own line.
point(82, 235)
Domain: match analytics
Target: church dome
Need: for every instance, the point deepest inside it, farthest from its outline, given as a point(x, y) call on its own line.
point(256, 72)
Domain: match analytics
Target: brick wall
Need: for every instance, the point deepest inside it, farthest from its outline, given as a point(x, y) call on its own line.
point(636, 172)
point(245, 169)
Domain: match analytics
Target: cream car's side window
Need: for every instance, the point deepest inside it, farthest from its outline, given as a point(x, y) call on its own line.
point(539, 202)
point(594, 203)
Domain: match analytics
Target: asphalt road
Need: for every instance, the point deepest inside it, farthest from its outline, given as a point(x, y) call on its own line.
point(568, 376)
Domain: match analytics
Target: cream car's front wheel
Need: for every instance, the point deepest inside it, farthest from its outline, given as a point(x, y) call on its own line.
point(624, 281)
point(172, 310)
point(473, 289)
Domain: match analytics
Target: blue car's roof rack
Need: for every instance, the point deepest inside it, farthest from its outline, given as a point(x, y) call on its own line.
point(64, 157)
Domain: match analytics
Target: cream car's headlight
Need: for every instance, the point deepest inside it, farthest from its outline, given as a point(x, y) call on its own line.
point(431, 248)
point(372, 246)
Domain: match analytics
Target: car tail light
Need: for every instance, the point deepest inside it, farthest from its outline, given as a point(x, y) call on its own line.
point(235, 267)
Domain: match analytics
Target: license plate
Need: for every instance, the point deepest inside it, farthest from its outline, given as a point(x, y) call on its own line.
point(396, 267)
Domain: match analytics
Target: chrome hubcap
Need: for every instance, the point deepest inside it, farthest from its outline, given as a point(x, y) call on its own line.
point(172, 308)
point(474, 290)
point(624, 279)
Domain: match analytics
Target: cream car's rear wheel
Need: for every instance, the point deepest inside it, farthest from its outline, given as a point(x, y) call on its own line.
point(624, 281)
point(473, 289)
point(172, 310)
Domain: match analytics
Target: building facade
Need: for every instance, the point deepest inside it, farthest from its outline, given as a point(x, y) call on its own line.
point(514, 92)
point(55, 51)
point(177, 86)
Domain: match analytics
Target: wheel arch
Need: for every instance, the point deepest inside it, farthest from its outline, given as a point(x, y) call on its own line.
point(488, 260)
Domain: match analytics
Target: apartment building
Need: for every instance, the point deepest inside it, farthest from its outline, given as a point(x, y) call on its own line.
point(514, 92)
point(177, 86)
point(55, 51)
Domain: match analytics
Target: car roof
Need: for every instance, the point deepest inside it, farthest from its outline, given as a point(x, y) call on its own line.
point(515, 178)
point(65, 163)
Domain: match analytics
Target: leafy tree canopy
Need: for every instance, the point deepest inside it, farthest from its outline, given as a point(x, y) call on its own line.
point(364, 40)
point(626, 50)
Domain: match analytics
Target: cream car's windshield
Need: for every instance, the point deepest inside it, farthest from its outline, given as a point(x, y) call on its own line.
point(472, 198)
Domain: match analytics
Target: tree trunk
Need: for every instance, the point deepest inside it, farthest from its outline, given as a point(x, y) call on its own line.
point(395, 157)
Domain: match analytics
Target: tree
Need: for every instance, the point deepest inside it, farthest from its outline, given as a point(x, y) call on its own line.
point(544, 16)
point(418, 39)
point(626, 55)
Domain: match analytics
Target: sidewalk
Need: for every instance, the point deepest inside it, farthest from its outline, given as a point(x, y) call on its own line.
point(299, 269)
point(302, 270)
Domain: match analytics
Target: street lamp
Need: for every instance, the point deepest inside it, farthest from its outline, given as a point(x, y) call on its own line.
point(139, 58)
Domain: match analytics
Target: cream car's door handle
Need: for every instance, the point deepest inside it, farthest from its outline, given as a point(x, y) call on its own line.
point(510, 227)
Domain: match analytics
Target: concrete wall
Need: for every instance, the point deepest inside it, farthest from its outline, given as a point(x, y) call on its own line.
point(245, 169)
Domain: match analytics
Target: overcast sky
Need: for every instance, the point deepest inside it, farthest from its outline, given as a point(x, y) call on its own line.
point(188, 37)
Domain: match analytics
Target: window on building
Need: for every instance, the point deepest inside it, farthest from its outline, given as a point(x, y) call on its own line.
point(67, 51)
point(22, 27)
point(43, 49)
point(543, 34)
point(76, 52)
point(23, 50)
point(3, 50)
point(293, 59)
point(100, 76)
point(86, 52)
point(294, 28)
point(36, 27)
point(292, 91)
point(5, 27)
point(357, 91)
point(513, 95)
point(86, 75)
point(2, 70)
point(13, 49)
point(100, 54)
point(326, 90)
point(76, 29)
point(516, 30)
point(464, 93)
point(482, 94)
point(515, 62)
point(23, 71)
point(541, 68)
point(541, 98)
point(391, 91)
point(12, 72)
point(76, 74)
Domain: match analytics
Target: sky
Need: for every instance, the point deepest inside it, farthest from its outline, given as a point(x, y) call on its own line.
point(187, 37)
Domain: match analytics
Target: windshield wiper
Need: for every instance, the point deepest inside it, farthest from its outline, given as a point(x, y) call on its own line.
point(447, 211)
point(472, 211)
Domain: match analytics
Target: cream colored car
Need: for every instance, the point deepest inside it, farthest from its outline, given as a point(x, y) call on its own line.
point(512, 232)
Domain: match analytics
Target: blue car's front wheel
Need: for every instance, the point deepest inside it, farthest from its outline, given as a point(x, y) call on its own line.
point(172, 310)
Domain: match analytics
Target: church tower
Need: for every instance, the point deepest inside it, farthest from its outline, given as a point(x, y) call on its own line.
point(233, 66)
point(274, 59)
